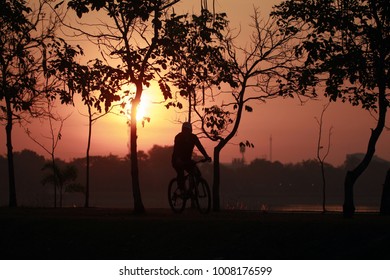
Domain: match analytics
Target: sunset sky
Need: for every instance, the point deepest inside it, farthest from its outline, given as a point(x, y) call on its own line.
point(293, 127)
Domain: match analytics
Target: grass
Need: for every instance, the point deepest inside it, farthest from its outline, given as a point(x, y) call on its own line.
point(77, 233)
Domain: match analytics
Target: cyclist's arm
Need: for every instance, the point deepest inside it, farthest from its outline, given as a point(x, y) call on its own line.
point(201, 148)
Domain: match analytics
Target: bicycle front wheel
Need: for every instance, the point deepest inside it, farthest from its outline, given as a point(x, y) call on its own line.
point(203, 197)
point(176, 198)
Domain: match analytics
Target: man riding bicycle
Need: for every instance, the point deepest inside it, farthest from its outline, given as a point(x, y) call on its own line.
point(183, 148)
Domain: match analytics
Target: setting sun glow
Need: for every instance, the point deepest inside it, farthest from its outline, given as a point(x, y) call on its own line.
point(142, 110)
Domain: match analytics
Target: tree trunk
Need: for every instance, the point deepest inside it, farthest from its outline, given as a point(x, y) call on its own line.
point(385, 201)
point(86, 204)
point(10, 157)
point(189, 104)
point(55, 178)
point(216, 180)
point(323, 187)
point(138, 205)
point(217, 150)
point(353, 175)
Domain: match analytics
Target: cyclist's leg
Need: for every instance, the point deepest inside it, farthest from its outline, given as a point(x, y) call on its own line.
point(192, 168)
point(196, 172)
point(180, 176)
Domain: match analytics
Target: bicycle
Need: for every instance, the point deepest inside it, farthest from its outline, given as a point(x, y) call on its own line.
point(196, 189)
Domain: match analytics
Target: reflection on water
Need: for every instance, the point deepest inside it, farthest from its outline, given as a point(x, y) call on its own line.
point(277, 203)
point(318, 208)
point(298, 208)
point(285, 205)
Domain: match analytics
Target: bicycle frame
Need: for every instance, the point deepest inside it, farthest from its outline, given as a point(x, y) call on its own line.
point(198, 190)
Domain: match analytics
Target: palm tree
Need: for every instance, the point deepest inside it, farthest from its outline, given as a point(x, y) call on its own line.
point(62, 179)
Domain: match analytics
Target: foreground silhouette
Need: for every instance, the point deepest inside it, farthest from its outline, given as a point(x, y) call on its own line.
point(86, 233)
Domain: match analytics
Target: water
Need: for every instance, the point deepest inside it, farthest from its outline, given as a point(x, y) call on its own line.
point(291, 204)
point(318, 208)
point(277, 203)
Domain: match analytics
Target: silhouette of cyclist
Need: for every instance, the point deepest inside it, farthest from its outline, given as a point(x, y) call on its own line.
point(183, 148)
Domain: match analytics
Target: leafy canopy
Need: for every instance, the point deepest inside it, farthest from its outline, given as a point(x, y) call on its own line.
point(347, 40)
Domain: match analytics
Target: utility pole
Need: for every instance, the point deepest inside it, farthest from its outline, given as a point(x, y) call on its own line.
point(270, 148)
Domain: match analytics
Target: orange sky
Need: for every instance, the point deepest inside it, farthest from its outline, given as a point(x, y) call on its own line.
point(293, 127)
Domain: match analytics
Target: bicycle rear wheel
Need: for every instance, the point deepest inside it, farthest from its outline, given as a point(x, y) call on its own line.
point(177, 200)
point(203, 197)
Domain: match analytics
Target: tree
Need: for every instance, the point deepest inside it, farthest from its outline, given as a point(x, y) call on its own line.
point(28, 49)
point(258, 74)
point(346, 45)
point(63, 179)
point(57, 76)
point(55, 135)
point(321, 157)
point(97, 84)
point(132, 37)
point(195, 51)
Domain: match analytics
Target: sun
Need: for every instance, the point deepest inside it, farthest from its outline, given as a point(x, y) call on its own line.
point(141, 111)
point(142, 108)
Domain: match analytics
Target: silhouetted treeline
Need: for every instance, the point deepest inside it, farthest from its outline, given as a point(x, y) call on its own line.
point(258, 185)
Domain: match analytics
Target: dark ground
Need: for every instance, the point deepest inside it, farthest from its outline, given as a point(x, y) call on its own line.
point(77, 233)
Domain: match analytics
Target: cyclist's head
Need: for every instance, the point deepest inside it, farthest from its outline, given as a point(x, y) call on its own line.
point(186, 127)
